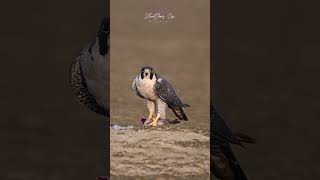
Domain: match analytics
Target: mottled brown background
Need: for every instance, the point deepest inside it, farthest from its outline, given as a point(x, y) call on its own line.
point(45, 134)
point(266, 83)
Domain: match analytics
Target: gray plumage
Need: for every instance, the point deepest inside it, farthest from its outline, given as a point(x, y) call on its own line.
point(159, 94)
point(89, 73)
point(166, 92)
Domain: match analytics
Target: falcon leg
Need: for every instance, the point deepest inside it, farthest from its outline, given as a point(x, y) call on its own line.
point(150, 119)
point(161, 106)
point(151, 106)
point(154, 122)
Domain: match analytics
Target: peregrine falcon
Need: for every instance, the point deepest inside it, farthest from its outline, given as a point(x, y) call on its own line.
point(224, 163)
point(159, 94)
point(89, 72)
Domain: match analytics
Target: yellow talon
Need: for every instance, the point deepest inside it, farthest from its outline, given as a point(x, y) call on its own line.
point(154, 122)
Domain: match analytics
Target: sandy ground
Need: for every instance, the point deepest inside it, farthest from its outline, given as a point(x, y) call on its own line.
point(169, 152)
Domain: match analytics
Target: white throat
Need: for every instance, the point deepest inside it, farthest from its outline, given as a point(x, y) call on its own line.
point(146, 87)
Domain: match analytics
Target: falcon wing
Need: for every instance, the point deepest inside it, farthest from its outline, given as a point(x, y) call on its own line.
point(135, 89)
point(222, 132)
point(225, 164)
point(166, 92)
point(80, 89)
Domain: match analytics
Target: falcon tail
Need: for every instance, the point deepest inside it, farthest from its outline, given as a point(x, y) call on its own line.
point(235, 166)
point(179, 113)
point(225, 165)
point(244, 138)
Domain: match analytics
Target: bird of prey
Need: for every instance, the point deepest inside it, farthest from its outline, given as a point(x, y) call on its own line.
point(159, 94)
point(224, 163)
point(89, 72)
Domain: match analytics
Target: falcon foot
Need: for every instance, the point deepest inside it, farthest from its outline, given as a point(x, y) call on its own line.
point(146, 122)
point(154, 123)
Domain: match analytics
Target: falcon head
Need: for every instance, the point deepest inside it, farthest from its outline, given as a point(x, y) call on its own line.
point(147, 72)
point(103, 36)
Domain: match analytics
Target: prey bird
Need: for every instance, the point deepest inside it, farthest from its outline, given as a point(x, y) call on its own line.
point(224, 165)
point(159, 94)
point(89, 72)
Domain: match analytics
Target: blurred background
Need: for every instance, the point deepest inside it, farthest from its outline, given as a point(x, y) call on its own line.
point(265, 83)
point(45, 133)
point(179, 51)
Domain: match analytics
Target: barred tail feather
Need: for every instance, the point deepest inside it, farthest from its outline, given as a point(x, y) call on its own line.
point(244, 138)
point(228, 167)
point(180, 114)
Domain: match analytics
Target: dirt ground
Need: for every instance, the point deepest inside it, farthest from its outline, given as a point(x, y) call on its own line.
point(169, 152)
